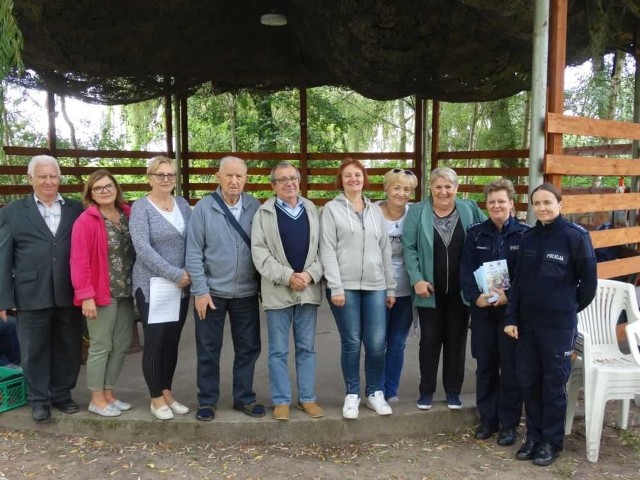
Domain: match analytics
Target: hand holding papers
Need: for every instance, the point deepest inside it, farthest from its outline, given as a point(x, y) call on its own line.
point(164, 304)
point(491, 276)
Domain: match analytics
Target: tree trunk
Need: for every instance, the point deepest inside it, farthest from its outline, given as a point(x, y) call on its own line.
point(72, 134)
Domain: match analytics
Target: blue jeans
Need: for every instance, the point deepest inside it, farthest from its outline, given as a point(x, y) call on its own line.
point(244, 318)
point(399, 319)
point(363, 319)
point(279, 321)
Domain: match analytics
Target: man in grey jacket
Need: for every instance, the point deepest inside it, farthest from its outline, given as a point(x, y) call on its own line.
point(284, 246)
point(224, 280)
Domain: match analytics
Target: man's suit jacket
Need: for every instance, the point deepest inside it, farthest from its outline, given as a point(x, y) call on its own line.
point(34, 264)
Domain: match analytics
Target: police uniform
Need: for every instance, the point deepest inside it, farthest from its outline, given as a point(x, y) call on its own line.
point(498, 395)
point(555, 279)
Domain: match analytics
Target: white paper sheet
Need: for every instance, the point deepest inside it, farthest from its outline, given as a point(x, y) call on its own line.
point(164, 304)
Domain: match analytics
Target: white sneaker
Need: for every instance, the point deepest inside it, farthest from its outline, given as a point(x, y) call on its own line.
point(162, 413)
point(350, 408)
point(180, 409)
point(378, 403)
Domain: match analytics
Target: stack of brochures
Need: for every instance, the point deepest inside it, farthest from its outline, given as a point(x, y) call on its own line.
point(492, 275)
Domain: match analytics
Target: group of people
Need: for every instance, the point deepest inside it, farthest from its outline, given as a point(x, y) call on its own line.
point(376, 261)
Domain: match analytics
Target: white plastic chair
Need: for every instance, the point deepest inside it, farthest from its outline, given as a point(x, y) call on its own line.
point(601, 369)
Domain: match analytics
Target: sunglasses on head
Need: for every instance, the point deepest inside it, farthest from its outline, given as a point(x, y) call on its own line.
point(406, 172)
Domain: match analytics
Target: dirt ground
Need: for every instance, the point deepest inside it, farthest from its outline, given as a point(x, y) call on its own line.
point(36, 455)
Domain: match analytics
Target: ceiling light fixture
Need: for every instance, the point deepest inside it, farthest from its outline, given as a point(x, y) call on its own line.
point(273, 20)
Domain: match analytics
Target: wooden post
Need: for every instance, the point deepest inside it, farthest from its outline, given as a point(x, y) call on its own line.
point(418, 144)
point(184, 135)
point(557, 64)
point(51, 115)
point(435, 134)
point(168, 126)
point(304, 137)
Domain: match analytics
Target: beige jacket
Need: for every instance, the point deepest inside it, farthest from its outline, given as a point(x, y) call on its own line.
point(270, 260)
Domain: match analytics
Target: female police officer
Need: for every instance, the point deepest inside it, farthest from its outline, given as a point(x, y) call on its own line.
point(555, 279)
point(498, 238)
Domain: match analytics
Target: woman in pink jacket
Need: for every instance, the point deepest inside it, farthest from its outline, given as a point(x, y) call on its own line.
point(101, 259)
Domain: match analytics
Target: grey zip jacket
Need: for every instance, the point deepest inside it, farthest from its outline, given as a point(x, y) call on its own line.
point(355, 249)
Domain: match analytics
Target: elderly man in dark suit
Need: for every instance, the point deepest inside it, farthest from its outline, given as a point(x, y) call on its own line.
point(35, 236)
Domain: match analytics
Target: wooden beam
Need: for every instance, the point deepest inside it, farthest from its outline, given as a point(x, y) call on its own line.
point(51, 115)
point(418, 143)
point(82, 152)
point(483, 154)
point(168, 125)
point(601, 202)
point(574, 165)
point(521, 189)
point(304, 143)
point(184, 146)
point(618, 268)
point(493, 171)
point(435, 135)
point(565, 124)
point(615, 236)
point(555, 75)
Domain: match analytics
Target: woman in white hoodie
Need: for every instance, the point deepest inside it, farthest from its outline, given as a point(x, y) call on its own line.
point(356, 257)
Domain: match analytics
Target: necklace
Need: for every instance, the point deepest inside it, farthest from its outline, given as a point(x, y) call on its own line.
point(164, 205)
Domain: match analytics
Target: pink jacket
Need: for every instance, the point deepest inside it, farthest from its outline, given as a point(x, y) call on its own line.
point(89, 257)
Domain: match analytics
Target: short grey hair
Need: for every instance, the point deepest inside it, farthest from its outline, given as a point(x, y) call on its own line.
point(41, 160)
point(232, 159)
point(280, 166)
point(444, 172)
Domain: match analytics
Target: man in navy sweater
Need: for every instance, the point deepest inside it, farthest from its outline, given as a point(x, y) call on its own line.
point(284, 247)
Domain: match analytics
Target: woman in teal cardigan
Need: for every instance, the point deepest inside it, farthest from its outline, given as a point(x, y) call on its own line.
point(433, 236)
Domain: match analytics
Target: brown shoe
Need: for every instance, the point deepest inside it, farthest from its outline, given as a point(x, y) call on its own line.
point(311, 408)
point(281, 412)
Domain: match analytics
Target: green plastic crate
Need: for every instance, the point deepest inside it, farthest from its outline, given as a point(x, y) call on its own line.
point(13, 391)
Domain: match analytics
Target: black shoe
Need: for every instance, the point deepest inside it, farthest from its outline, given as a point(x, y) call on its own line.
point(483, 432)
point(507, 437)
point(253, 409)
point(206, 413)
point(41, 413)
point(528, 450)
point(545, 455)
point(67, 406)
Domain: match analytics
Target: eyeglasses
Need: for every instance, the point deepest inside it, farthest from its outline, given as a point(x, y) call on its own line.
point(284, 180)
point(164, 176)
point(102, 189)
point(399, 170)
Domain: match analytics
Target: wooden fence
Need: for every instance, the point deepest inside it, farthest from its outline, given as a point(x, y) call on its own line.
point(196, 176)
point(559, 165)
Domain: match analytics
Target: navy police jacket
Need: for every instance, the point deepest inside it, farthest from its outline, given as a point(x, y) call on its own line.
point(555, 276)
point(484, 243)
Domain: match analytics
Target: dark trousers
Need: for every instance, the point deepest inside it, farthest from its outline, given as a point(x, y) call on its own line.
point(498, 395)
point(244, 318)
point(543, 365)
point(9, 346)
point(161, 340)
point(51, 350)
point(443, 328)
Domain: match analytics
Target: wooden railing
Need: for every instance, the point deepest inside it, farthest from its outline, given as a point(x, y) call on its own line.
point(483, 166)
point(197, 178)
point(558, 166)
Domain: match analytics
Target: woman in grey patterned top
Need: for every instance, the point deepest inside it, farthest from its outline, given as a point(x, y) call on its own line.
point(158, 230)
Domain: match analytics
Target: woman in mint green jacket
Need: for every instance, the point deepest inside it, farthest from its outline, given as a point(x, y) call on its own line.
point(433, 236)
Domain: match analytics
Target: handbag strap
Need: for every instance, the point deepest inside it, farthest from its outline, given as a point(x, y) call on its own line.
point(232, 220)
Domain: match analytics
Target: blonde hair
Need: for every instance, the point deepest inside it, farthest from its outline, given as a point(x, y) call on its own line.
point(402, 176)
point(155, 162)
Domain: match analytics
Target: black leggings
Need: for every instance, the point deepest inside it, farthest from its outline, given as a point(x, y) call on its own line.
point(161, 340)
point(444, 327)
